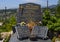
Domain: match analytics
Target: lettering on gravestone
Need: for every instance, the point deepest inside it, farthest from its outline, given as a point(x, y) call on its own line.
point(40, 31)
point(22, 31)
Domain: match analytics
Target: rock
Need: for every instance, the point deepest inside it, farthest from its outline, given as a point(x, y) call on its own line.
point(14, 39)
point(22, 31)
point(57, 40)
point(40, 31)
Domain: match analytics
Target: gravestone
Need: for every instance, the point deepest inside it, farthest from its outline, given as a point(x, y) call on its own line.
point(29, 11)
point(22, 32)
point(40, 31)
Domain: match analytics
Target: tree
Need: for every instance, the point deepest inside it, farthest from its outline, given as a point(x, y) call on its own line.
point(49, 20)
point(58, 10)
point(8, 23)
point(12, 20)
point(46, 17)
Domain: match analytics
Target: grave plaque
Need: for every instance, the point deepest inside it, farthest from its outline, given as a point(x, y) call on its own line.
point(22, 31)
point(29, 11)
point(40, 31)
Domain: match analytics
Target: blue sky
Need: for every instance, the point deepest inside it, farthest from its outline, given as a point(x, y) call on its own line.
point(15, 3)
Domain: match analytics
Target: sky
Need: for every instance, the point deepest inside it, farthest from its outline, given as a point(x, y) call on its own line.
point(15, 3)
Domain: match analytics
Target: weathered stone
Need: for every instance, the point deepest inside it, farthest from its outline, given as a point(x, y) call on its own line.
point(40, 31)
point(29, 11)
point(22, 31)
point(14, 39)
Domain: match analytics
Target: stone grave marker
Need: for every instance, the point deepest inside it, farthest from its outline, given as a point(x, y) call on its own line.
point(22, 31)
point(40, 31)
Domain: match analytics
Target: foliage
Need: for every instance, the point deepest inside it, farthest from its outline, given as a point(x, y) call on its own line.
point(8, 23)
point(46, 17)
point(51, 21)
point(58, 11)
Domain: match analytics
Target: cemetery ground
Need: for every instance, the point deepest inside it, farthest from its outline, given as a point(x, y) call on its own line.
point(10, 38)
point(6, 27)
point(7, 30)
point(52, 22)
point(15, 39)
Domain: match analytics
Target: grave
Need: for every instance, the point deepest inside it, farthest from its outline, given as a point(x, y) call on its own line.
point(39, 32)
point(22, 32)
point(14, 39)
point(26, 13)
point(29, 11)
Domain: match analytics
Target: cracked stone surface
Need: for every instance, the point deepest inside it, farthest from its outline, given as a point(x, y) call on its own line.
point(14, 39)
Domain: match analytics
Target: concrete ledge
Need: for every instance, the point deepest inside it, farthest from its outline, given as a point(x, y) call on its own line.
point(14, 39)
